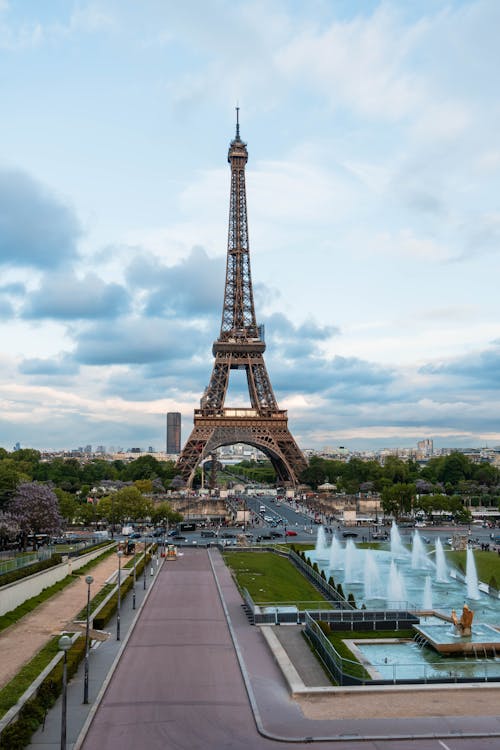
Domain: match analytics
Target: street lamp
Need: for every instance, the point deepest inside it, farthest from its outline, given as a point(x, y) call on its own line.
point(119, 553)
point(64, 644)
point(144, 569)
point(88, 580)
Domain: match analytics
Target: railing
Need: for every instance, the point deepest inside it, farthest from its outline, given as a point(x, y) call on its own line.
point(348, 672)
point(22, 561)
point(330, 592)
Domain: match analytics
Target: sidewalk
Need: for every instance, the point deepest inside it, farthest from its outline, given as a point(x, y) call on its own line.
point(101, 658)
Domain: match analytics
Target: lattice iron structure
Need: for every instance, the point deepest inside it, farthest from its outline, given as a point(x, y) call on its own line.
point(240, 346)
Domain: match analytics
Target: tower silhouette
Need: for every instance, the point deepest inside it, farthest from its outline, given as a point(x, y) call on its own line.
point(240, 346)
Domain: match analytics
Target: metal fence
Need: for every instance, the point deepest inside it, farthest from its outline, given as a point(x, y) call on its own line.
point(16, 561)
point(329, 591)
point(347, 672)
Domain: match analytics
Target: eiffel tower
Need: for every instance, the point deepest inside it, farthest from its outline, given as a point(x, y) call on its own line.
point(240, 347)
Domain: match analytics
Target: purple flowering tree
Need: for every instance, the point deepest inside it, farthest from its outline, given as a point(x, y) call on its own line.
point(36, 509)
point(9, 529)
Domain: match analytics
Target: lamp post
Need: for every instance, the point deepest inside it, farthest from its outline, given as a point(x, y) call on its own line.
point(119, 553)
point(133, 589)
point(144, 569)
point(88, 580)
point(64, 644)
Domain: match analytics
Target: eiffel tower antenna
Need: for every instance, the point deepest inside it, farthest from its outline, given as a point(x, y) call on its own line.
point(240, 347)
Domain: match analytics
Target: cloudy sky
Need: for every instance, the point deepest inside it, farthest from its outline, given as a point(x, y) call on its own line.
point(373, 181)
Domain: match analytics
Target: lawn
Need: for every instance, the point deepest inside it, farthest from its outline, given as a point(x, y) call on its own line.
point(271, 578)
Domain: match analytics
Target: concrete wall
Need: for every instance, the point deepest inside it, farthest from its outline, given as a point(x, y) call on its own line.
point(14, 594)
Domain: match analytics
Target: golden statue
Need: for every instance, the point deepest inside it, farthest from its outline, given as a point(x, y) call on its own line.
point(464, 625)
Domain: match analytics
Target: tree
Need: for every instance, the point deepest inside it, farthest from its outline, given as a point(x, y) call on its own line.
point(10, 477)
point(9, 528)
point(162, 512)
point(67, 505)
point(396, 500)
point(36, 509)
point(126, 504)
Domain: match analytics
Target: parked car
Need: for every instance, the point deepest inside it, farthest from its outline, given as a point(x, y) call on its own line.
point(349, 534)
point(135, 535)
point(291, 532)
point(276, 534)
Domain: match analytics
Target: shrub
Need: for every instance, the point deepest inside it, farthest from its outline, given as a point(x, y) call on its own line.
point(315, 567)
point(110, 607)
point(324, 627)
point(351, 599)
point(331, 582)
point(323, 575)
point(340, 590)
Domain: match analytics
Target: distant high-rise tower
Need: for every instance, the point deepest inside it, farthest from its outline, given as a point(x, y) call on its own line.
point(173, 432)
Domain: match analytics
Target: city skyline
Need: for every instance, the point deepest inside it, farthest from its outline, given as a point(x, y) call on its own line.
point(374, 166)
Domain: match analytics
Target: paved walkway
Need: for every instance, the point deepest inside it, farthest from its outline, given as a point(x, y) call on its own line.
point(21, 641)
point(194, 674)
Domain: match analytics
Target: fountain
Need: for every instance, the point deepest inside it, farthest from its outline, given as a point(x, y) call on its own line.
point(396, 590)
point(372, 581)
point(471, 576)
point(441, 569)
point(336, 555)
point(352, 563)
point(321, 548)
point(383, 579)
point(418, 553)
point(427, 597)
point(397, 547)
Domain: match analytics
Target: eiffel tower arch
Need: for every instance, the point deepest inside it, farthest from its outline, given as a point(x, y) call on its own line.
point(240, 347)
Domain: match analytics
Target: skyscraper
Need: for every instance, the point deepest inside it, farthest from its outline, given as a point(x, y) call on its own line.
point(173, 432)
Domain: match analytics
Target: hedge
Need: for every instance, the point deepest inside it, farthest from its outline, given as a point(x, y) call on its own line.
point(17, 735)
point(110, 607)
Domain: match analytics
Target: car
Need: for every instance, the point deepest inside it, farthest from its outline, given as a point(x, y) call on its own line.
point(349, 534)
point(228, 535)
point(291, 532)
point(135, 535)
point(208, 533)
point(276, 534)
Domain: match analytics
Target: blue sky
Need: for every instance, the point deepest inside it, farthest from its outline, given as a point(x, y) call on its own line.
point(373, 131)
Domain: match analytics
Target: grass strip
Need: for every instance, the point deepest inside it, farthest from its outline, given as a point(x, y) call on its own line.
point(12, 691)
point(272, 578)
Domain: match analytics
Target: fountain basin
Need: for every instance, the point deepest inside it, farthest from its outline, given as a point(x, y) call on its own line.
point(484, 639)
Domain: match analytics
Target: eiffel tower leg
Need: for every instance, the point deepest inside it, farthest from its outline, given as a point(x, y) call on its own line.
point(270, 436)
point(193, 453)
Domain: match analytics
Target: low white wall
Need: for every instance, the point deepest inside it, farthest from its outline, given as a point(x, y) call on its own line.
point(14, 594)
